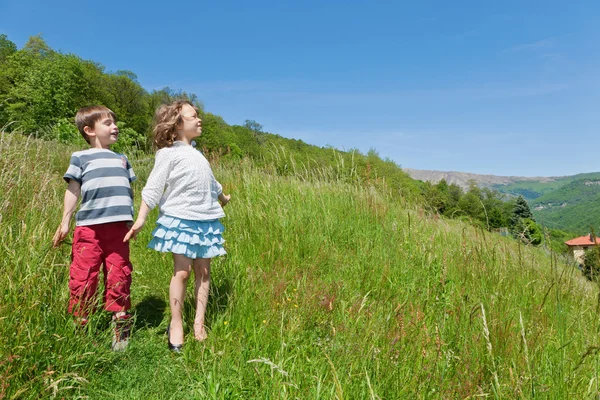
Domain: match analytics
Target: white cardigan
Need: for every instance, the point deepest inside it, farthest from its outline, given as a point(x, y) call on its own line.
point(182, 185)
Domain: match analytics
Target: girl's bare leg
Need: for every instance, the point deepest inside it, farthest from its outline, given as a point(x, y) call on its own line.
point(181, 273)
point(202, 277)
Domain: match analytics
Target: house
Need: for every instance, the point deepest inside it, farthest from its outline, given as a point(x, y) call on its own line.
point(578, 246)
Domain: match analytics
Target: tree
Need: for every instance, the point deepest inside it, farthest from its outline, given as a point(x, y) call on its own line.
point(496, 218)
point(521, 210)
point(7, 48)
point(127, 99)
point(38, 46)
point(591, 264)
point(253, 125)
point(51, 88)
point(437, 196)
point(256, 129)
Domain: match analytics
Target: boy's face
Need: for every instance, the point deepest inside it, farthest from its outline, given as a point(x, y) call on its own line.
point(105, 132)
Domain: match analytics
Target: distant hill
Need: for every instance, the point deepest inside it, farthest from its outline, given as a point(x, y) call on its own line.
point(534, 188)
point(574, 206)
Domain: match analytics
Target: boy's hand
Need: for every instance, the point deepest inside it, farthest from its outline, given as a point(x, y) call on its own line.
point(135, 229)
point(224, 199)
point(60, 235)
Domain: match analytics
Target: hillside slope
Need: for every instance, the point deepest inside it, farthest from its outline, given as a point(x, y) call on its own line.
point(575, 206)
point(329, 290)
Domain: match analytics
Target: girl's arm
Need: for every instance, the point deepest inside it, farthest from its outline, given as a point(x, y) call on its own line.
point(139, 223)
point(224, 199)
point(152, 192)
point(72, 195)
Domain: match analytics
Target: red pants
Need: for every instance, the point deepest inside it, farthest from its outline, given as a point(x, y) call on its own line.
point(94, 246)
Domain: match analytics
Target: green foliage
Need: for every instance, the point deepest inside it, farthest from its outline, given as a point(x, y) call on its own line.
point(557, 239)
point(575, 206)
point(521, 210)
point(129, 140)
point(7, 48)
point(532, 189)
point(46, 86)
point(591, 264)
point(65, 131)
point(126, 97)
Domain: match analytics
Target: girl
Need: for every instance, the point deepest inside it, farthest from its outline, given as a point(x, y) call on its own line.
point(183, 186)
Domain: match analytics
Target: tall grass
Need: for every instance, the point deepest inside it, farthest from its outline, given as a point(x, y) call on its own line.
point(332, 288)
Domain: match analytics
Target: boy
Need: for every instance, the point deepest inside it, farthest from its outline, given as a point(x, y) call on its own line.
point(102, 179)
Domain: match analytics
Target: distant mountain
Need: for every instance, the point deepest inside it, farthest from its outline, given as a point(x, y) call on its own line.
point(529, 187)
point(463, 179)
point(569, 203)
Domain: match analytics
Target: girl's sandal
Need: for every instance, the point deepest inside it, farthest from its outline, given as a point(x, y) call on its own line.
point(176, 348)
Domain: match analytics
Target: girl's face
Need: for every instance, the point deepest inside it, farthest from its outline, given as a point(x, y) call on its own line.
point(192, 124)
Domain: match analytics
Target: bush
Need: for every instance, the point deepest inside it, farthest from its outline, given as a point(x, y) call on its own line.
point(129, 140)
point(591, 266)
point(65, 131)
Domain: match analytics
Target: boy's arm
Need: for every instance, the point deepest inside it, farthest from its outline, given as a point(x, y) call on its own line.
point(71, 199)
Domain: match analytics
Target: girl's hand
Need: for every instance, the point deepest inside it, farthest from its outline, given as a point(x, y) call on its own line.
point(224, 199)
point(61, 234)
point(135, 229)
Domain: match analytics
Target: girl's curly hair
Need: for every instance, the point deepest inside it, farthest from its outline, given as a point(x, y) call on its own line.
point(167, 120)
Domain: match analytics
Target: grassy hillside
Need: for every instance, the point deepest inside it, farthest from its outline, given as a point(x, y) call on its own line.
point(575, 206)
point(330, 290)
point(532, 190)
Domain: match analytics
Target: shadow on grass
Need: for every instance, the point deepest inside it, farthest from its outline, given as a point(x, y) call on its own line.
point(150, 312)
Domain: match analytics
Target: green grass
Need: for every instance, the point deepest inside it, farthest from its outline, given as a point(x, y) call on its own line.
point(331, 289)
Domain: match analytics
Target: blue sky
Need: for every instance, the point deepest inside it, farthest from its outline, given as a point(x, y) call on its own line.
point(505, 88)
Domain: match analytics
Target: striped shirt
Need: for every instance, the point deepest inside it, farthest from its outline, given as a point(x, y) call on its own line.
point(105, 178)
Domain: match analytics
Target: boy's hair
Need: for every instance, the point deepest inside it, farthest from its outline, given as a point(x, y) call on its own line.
point(88, 116)
point(167, 119)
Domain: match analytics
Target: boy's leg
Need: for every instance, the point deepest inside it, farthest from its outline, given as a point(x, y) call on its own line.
point(118, 268)
point(86, 259)
point(181, 273)
point(117, 279)
point(202, 277)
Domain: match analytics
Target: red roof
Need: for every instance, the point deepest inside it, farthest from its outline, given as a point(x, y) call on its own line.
point(582, 241)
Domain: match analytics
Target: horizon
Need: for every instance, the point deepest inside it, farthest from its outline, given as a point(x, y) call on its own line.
point(503, 176)
point(429, 86)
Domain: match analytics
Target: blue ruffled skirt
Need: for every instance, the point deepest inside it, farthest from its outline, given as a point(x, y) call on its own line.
point(193, 239)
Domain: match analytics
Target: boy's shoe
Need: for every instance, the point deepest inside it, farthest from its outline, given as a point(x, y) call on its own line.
point(80, 322)
point(122, 331)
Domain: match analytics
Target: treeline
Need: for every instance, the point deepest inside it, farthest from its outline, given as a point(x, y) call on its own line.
point(493, 211)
